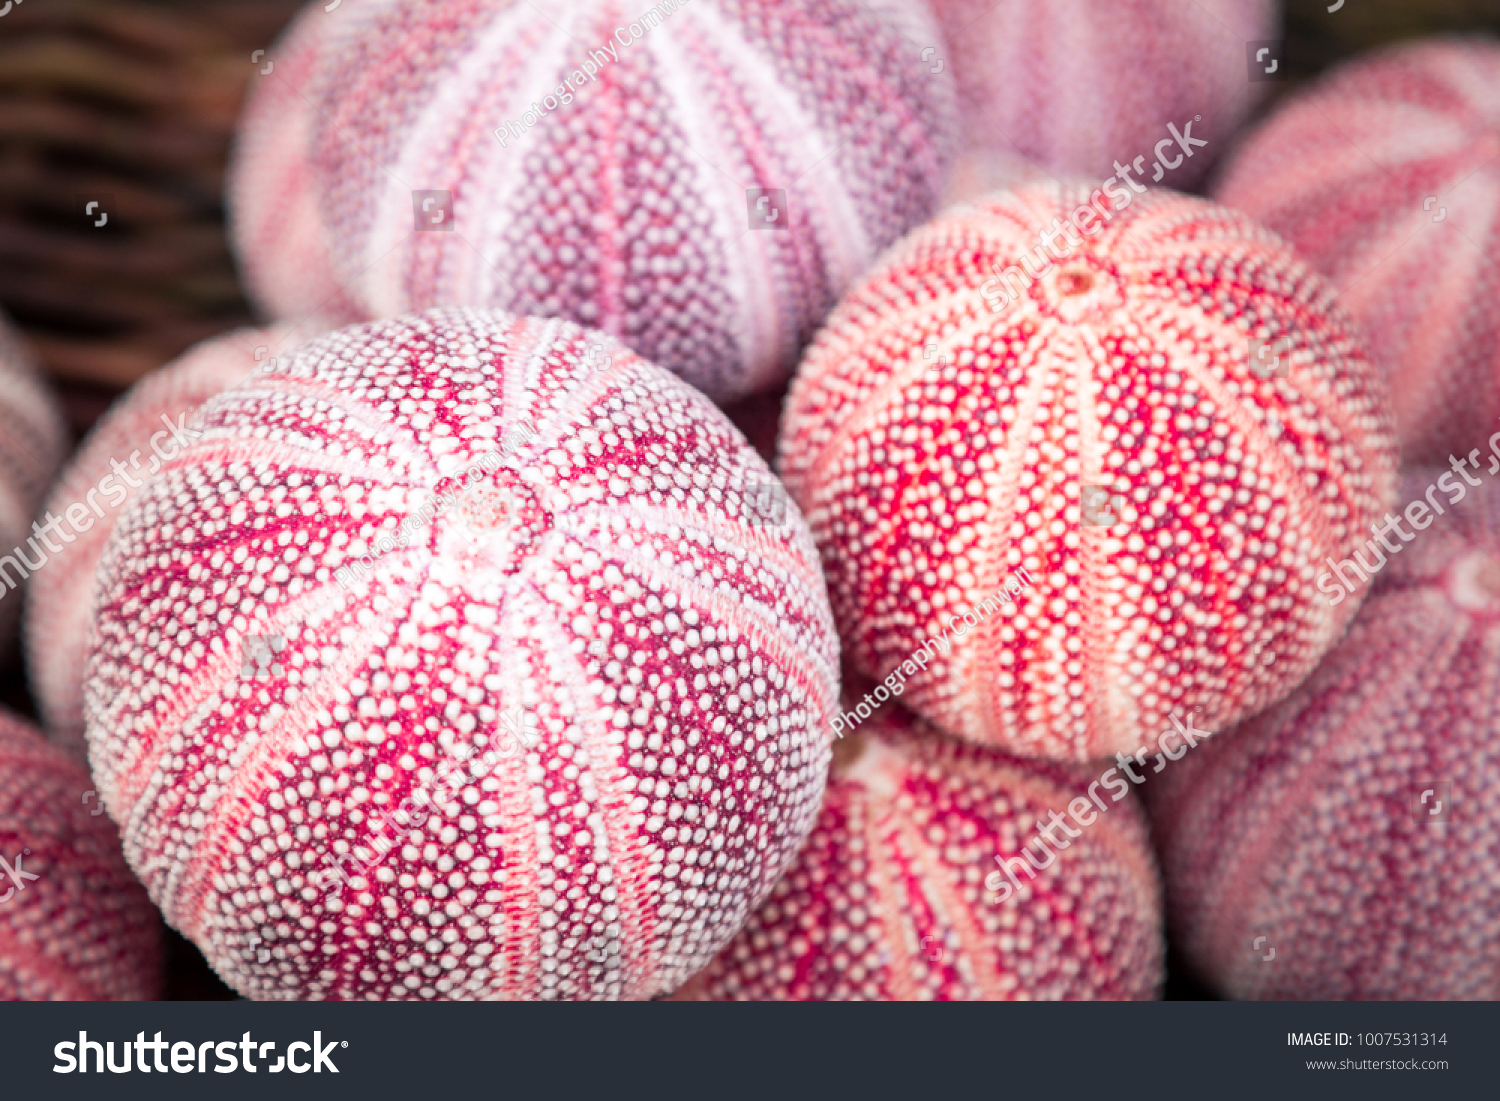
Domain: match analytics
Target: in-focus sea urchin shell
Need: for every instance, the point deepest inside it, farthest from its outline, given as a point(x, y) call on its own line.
point(33, 443)
point(1074, 85)
point(1386, 177)
point(440, 534)
point(889, 900)
point(75, 925)
point(150, 422)
point(622, 190)
point(1308, 826)
point(1108, 432)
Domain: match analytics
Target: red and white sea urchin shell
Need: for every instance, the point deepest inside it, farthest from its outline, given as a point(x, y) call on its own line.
point(1308, 825)
point(33, 443)
point(1386, 177)
point(664, 655)
point(937, 447)
point(75, 925)
point(626, 198)
point(888, 899)
point(159, 410)
point(1072, 86)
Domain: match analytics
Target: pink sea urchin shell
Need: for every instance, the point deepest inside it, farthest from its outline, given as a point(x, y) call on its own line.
point(33, 441)
point(274, 223)
point(452, 553)
point(1074, 85)
point(1107, 432)
point(75, 925)
point(627, 197)
point(889, 900)
point(1386, 176)
point(159, 409)
point(1307, 827)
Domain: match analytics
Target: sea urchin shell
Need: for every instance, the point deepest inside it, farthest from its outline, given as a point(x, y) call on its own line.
point(75, 925)
point(1386, 176)
point(1168, 427)
point(33, 443)
point(1345, 844)
point(280, 241)
point(701, 180)
point(150, 422)
point(1074, 86)
point(449, 663)
point(896, 894)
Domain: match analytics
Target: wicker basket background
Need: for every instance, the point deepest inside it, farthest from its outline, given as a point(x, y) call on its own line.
point(128, 103)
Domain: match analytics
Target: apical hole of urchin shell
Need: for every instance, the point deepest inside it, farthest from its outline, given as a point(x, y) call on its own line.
point(1075, 281)
point(486, 507)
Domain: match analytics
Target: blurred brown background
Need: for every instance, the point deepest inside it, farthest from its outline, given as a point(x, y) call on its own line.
point(130, 103)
